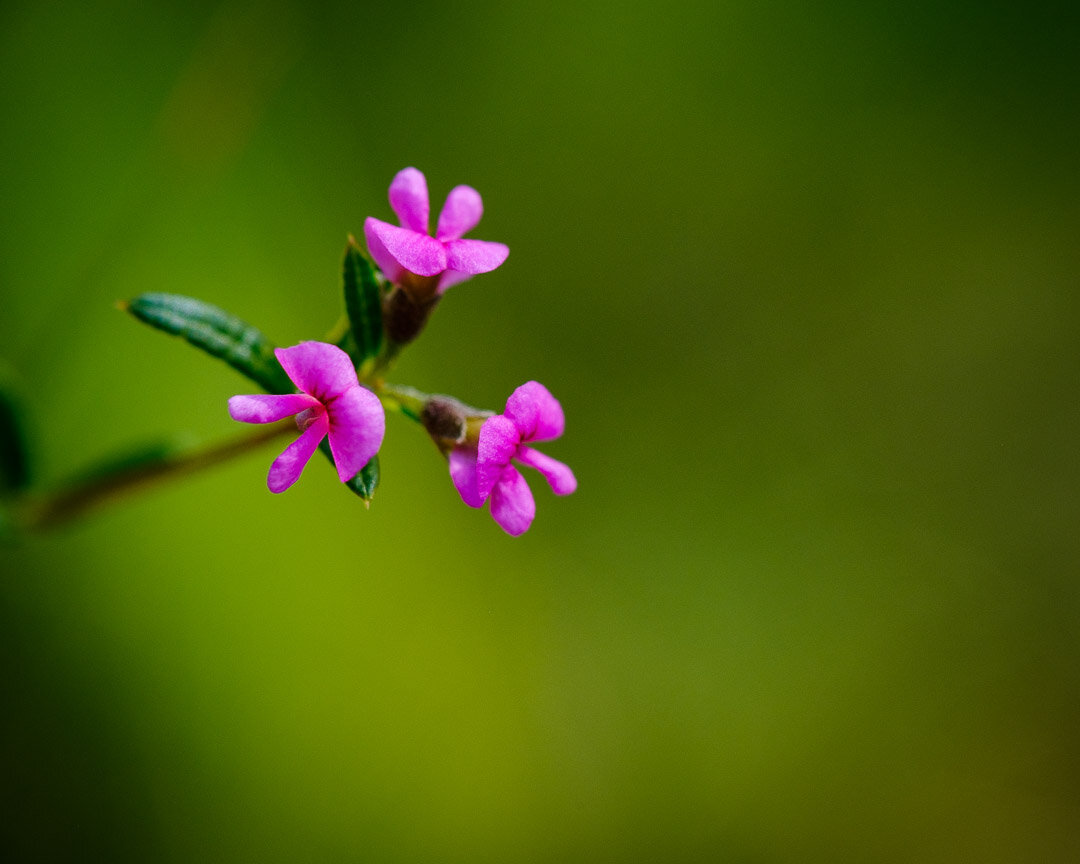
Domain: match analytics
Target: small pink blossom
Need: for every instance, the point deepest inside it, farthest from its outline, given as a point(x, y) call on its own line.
point(484, 472)
point(410, 249)
point(332, 403)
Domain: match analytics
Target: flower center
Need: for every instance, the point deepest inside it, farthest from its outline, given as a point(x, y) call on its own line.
point(306, 417)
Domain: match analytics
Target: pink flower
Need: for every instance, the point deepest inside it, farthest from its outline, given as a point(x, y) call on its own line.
point(332, 403)
point(411, 250)
point(483, 472)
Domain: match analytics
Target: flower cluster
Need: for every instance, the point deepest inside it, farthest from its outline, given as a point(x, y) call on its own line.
point(332, 402)
point(408, 255)
point(483, 471)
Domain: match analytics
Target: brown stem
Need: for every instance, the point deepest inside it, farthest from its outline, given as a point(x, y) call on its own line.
point(63, 505)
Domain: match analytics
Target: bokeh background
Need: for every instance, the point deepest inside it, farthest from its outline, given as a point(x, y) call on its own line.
point(804, 277)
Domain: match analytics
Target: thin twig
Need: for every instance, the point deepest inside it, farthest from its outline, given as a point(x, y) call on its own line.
point(65, 504)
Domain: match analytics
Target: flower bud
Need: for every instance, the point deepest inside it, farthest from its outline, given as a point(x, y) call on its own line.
point(406, 311)
point(450, 422)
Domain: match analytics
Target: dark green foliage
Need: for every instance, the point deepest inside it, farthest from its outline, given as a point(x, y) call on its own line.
point(14, 461)
point(363, 303)
point(216, 332)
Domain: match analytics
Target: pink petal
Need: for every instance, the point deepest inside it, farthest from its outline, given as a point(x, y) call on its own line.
point(357, 424)
point(558, 475)
point(463, 473)
point(474, 256)
point(460, 213)
point(409, 198)
point(268, 409)
point(287, 467)
point(386, 262)
point(319, 369)
point(498, 442)
point(512, 504)
point(537, 414)
point(451, 277)
point(413, 251)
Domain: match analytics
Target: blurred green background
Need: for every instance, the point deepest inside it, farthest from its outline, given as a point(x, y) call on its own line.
point(804, 277)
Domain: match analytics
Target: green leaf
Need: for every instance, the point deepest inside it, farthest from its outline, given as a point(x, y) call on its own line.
point(14, 460)
point(103, 480)
point(363, 303)
point(139, 459)
point(217, 333)
point(366, 481)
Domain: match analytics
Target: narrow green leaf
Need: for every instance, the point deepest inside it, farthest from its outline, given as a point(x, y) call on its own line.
point(366, 481)
point(217, 333)
point(144, 458)
point(14, 460)
point(363, 303)
point(105, 479)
